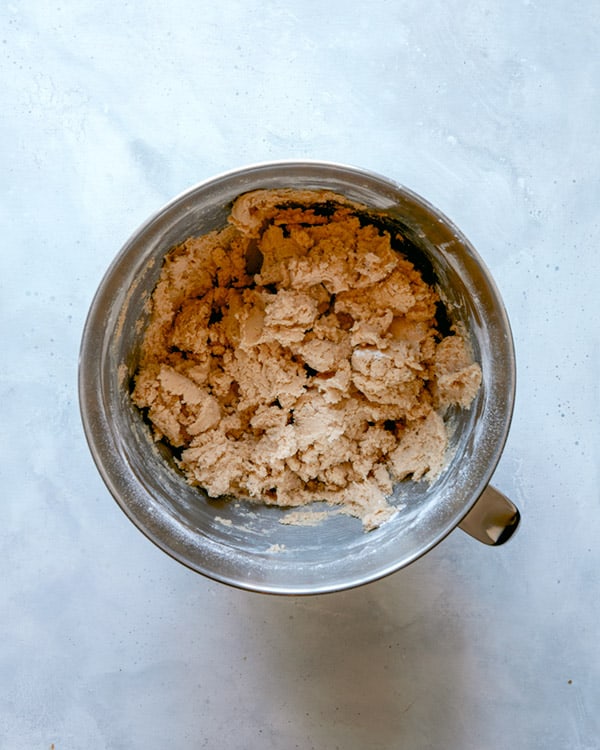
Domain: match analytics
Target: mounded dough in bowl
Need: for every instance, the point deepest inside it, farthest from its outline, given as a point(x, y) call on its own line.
point(296, 355)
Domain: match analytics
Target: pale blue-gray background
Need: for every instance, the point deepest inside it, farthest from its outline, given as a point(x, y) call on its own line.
point(489, 109)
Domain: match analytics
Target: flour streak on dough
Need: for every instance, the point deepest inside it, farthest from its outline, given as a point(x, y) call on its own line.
point(294, 357)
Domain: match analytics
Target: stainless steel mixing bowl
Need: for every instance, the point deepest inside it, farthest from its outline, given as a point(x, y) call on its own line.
point(245, 544)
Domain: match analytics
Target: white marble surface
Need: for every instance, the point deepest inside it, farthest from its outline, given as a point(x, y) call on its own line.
point(490, 110)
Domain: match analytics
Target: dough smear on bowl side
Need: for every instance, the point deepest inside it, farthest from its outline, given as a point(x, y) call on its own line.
point(294, 356)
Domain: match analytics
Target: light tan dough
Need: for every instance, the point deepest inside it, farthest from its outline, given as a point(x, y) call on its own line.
point(294, 357)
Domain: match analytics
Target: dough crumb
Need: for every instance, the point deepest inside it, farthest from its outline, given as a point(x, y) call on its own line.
point(224, 521)
point(295, 357)
point(306, 517)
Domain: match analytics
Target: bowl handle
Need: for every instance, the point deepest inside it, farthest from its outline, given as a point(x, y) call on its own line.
point(493, 519)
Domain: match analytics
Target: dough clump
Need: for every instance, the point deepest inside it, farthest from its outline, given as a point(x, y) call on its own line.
point(294, 356)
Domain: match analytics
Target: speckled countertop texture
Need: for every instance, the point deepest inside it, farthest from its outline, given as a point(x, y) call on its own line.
point(488, 109)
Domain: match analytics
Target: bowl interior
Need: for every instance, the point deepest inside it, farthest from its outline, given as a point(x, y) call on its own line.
point(246, 544)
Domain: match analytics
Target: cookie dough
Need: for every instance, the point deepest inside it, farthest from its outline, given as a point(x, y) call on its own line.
point(294, 356)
